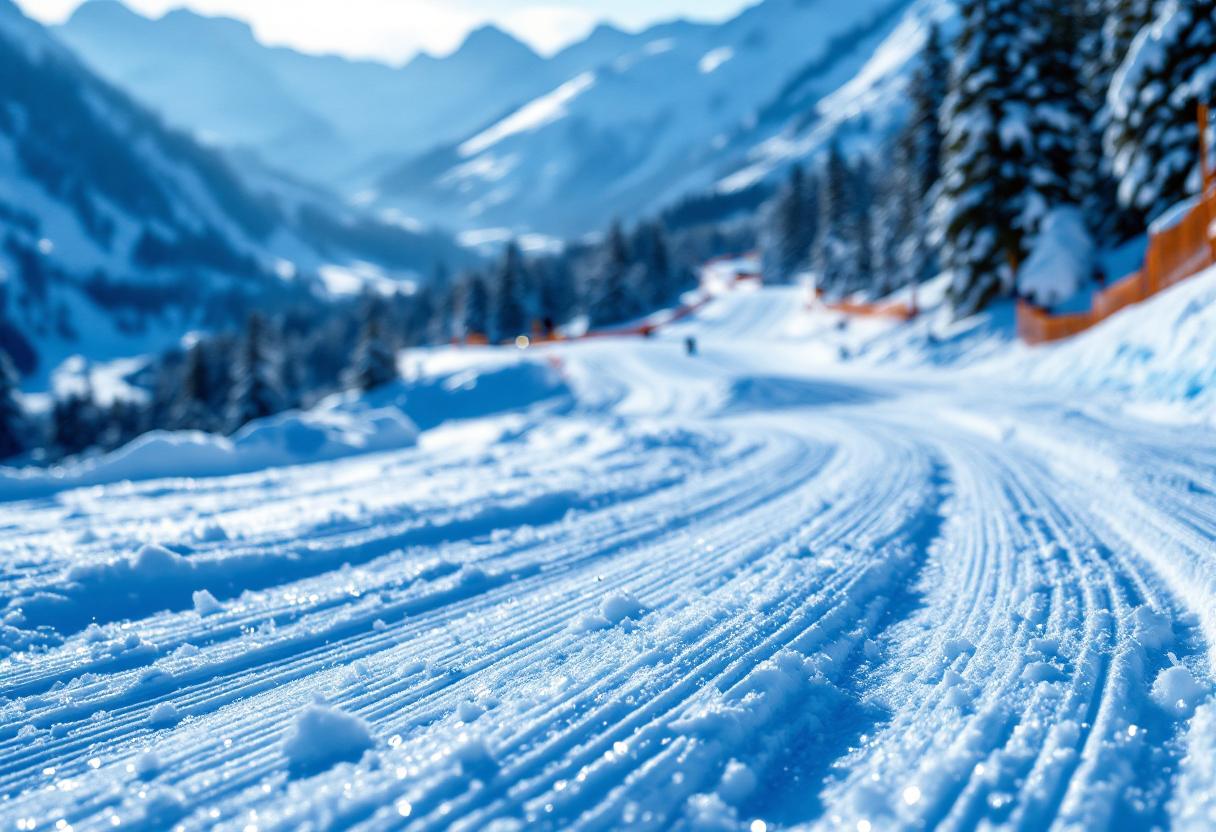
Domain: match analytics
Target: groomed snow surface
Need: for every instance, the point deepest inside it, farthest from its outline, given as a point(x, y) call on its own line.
point(814, 577)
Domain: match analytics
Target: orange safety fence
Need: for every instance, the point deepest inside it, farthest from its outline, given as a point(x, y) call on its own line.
point(1175, 253)
point(648, 328)
point(887, 309)
point(644, 329)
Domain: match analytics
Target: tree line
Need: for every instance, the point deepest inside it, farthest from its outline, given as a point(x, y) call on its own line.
point(220, 381)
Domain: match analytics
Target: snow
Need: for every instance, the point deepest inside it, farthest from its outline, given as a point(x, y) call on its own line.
point(1177, 692)
point(817, 577)
point(205, 603)
point(544, 110)
point(322, 736)
point(1061, 262)
point(292, 438)
point(715, 58)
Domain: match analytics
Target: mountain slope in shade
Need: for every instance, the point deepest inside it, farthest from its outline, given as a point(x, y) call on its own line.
point(117, 234)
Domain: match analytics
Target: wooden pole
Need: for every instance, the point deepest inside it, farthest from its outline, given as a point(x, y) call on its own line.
point(1204, 163)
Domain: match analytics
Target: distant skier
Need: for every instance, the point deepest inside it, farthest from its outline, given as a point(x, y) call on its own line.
point(690, 345)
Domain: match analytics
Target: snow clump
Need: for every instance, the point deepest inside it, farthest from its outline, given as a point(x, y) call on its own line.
point(205, 604)
point(322, 736)
point(1177, 692)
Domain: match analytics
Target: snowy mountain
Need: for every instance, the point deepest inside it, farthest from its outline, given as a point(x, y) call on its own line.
point(680, 109)
point(319, 118)
point(117, 234)
point(494, 136)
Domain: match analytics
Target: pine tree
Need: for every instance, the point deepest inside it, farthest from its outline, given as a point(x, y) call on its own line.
point(556, 291)
point(791, 221)
point(1122, 21)
point(12, 417)
point(76, 421)
point(900, 237)
point(1153, 137)
point(863, 227)
point(616, 297)
point(927, 94)
point(649, 246)
point(510, 311)
point(440, 327)
point(122, 422)
point(1009, 146)
point(475, 315)
point(257, 390)
point(374, 364)
point(415, 321)
point(895, 222)
point(193, 407)
point(836, 256)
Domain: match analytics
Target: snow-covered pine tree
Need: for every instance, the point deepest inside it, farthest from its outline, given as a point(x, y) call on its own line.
point(192, 408)
point(510, 309)
point(374, 363)
point(123, 421)
point(1009, 144)
point(439, 327)
point(1121, 21)
point(257, 389)
point(1153, 136)
point(863, 226)
point(923, 134)
point(615, 296)
point(836, 248)
point(555, 289)
point(649, 245)
point(475, 310)
point(76, 422)
point(791, 219)
point(899, 237)
point(12, 416)
point(414, 325)
point(918, 157)
point(896, 219)
point(1060, 119)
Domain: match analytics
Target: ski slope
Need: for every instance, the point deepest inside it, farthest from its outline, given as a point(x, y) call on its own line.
point(753, 589)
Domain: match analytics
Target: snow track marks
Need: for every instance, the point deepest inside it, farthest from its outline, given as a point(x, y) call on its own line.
point(716, 592)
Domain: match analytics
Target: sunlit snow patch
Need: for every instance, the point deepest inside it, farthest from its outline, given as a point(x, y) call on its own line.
point(715, 59)
point(544, 110)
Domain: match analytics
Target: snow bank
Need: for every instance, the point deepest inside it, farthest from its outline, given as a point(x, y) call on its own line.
point(471, 383)
point(322, 736)
point(1156, 354)
point(291, 438)
point(1062, 261)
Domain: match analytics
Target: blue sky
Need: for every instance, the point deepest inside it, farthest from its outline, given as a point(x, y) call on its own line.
point(394, 30)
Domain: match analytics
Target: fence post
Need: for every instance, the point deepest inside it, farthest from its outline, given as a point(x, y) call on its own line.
point(1205, 165)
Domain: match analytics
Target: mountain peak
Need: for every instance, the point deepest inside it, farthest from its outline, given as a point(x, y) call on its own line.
point(101, 11)
point(490, 40)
